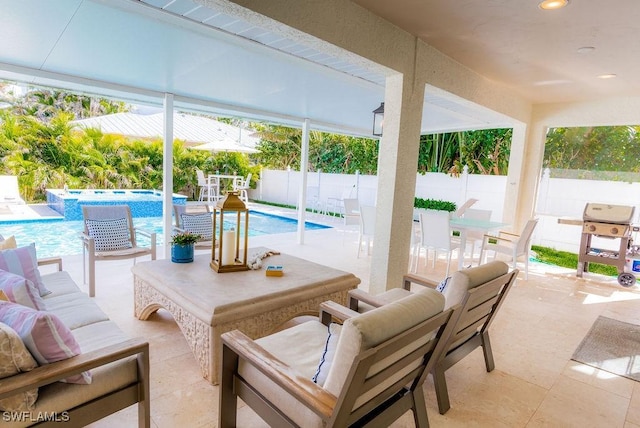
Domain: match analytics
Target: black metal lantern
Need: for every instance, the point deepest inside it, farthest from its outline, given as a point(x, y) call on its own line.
point(227, 254)
point(378, 119)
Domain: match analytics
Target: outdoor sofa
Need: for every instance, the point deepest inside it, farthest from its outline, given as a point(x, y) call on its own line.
point(118, 366)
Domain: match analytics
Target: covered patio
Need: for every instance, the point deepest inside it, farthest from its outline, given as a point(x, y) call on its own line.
point(537, 330)
point(327, 65)
point(301, 66)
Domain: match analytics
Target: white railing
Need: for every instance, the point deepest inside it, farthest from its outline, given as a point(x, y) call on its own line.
point(557, 197)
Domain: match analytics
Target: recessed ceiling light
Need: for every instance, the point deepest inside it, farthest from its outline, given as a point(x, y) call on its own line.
point(552, 4)
point(607, 76)
point(586, 49)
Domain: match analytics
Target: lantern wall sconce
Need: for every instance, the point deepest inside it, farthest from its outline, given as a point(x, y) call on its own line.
point(378, 119)
point(227, 255)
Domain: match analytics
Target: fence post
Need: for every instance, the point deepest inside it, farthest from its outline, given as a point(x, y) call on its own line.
point(288, 181)
point(464, 184)
point(543, 194)
point(357, 183)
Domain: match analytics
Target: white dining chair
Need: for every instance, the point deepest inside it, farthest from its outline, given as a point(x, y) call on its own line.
point(511, 244)
point(473, 236)
point(209, 187)
point(351, 211)
point(336, 205)
point(435, 234)
point(242, 186)
point(367, 226)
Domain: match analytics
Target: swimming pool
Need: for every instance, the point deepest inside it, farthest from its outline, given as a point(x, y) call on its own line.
point(143, 203)
point(58, 237)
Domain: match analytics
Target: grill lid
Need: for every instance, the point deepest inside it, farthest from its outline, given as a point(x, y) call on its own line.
point(605, 213)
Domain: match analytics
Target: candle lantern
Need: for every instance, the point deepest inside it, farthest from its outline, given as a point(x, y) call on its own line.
point(227, 254)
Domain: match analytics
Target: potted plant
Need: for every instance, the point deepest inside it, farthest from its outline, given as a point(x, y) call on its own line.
point(182, 245)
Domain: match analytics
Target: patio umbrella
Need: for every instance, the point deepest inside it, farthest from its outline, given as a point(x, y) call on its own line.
point(225, 145)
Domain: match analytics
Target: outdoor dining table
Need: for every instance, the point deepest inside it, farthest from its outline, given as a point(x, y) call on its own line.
point(219, 177)
point(463, 225)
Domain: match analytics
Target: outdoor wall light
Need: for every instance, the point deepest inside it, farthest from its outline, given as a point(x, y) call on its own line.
point(378, 119)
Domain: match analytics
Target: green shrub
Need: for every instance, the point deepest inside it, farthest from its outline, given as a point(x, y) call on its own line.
point(434, 204)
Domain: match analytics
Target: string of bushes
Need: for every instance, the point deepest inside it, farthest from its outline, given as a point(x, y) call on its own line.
point(434, 204)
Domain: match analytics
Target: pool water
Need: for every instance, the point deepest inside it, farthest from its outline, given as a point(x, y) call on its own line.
point(59, 237)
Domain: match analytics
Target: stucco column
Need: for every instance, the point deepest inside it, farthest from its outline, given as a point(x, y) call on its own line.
point(525, 167)
point(514, 210)
point(397, 165)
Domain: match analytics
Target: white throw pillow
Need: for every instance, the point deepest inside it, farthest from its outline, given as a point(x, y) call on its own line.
point(110, 234)
point(200, 224)
point(329, 352)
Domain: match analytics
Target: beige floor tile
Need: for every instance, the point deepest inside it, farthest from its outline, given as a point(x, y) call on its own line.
point(633, 413)
point(537, 330)
point(571, 403)
point(599, 378)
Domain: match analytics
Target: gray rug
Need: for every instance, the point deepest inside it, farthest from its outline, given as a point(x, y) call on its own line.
point(613, 346)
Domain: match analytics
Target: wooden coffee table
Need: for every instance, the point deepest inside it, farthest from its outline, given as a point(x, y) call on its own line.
point(206, 304)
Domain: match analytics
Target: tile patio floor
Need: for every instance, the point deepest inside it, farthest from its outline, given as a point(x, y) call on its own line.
point(535, 383)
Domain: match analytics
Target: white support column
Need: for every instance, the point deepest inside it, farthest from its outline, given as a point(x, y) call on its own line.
point(167, 174)
point(304, 167)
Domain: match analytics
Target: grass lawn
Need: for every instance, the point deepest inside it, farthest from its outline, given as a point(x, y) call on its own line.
point(569, 260)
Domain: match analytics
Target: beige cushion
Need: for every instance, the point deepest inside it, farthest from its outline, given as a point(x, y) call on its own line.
point(58, 396)
point(75, 309)
point(59, 283)
point(14, 359)
point(367, 330)
point(299, 347)
point(384, 298)
point(466, 279)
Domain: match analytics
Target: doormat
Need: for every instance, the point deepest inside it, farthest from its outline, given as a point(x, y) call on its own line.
point(612, 346)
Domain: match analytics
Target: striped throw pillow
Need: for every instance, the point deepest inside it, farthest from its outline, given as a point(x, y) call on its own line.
point(20, 290)
point(45, 336)
point(110, 234)
point(24, 262)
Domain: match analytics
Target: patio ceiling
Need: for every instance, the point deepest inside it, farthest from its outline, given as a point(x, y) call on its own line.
point(537, 53)
point(210, 61)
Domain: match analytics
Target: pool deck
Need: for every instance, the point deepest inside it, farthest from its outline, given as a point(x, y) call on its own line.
point(26, 212)
point(31, 212)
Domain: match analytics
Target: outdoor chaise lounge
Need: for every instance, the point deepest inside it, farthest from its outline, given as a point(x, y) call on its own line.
point(9, 190)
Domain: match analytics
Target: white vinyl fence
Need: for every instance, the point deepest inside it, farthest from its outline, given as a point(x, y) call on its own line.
point(557, 197)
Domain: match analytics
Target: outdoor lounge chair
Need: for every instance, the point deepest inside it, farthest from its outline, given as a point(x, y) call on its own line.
point(9, 190)
point(195, 219)
point(480, 291)
point(375, 375)
point(109, 235)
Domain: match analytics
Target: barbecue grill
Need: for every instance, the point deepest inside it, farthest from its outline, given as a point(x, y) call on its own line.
point(611, 222)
